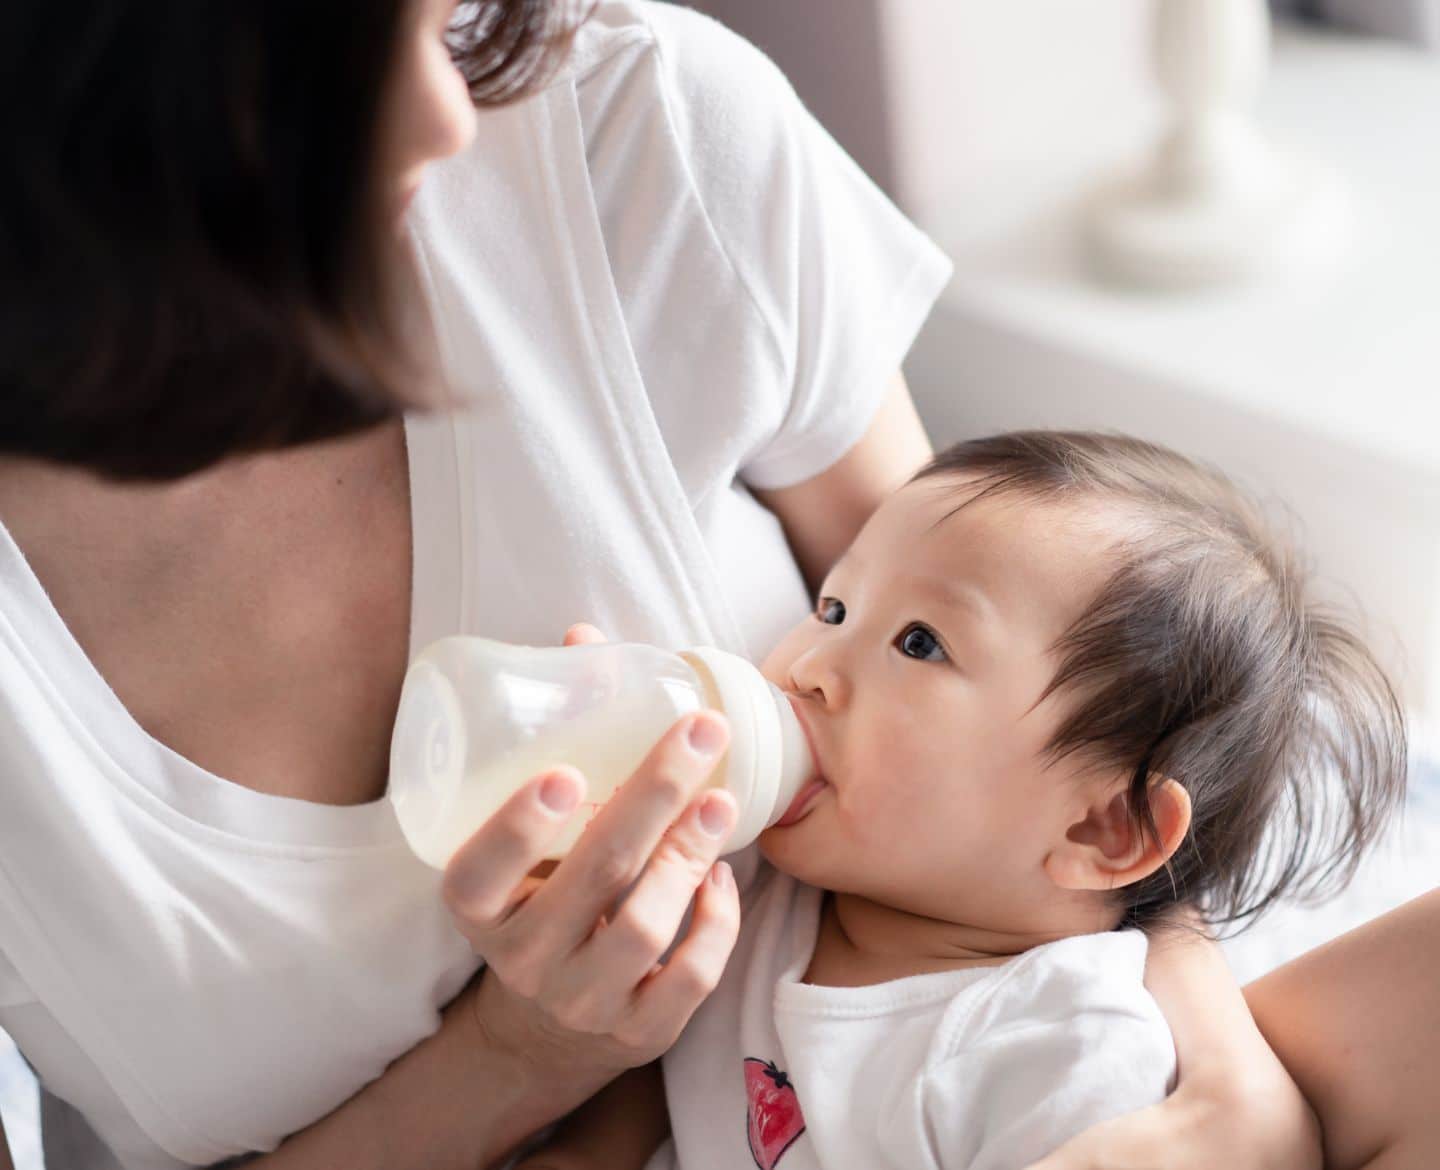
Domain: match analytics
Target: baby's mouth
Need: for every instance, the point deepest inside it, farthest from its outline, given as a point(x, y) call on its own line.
point(803, 800)
point(816, 784)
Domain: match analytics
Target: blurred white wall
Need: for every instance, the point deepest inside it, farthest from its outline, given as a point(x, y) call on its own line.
point(936, 97)
point(834, 54)
point(983, 91)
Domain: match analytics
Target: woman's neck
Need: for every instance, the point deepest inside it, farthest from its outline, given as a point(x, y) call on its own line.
point(127, 528)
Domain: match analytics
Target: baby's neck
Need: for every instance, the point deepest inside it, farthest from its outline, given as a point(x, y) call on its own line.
point(861, 942)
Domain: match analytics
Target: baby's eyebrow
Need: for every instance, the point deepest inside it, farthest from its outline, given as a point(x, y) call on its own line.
point(958, 595)
point(847, 562)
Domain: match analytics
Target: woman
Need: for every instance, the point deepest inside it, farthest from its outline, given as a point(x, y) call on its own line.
point(669, 312)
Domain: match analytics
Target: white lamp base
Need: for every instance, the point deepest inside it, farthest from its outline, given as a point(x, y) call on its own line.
point(1218, 204)
point(1146, 233)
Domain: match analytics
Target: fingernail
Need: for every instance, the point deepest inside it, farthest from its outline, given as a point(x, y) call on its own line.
point(715, 816)
point(707, 737)
point(558, 794)
point(720, 875)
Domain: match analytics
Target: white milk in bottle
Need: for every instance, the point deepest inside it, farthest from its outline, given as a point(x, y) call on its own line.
point(478, 719)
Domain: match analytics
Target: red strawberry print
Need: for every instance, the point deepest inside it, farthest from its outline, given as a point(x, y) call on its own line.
point(773, 1113)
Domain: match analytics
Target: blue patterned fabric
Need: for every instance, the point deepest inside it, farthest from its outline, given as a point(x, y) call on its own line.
point(1416, 21)
point(1425, 781)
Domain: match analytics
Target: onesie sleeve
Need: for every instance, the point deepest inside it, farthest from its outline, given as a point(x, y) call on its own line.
point(1068, 1039)
point(1019, 1096)
point(840, 278)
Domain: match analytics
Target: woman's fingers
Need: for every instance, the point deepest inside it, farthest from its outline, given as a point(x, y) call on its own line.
point(617, 844)
point(611, 963)
point(489, 875)
point(667, 998)
point(583, 979)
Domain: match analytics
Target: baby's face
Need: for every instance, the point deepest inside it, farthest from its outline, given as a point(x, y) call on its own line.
point(919, 680)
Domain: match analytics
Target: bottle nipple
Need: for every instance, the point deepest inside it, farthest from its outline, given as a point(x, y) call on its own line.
point(797, 764)
point(769, 757)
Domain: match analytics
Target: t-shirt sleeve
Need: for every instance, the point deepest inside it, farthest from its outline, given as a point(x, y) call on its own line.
point(840, 278)
point(1020, 1094)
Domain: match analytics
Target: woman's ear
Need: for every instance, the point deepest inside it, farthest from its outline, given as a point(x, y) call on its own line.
point(1106, 849)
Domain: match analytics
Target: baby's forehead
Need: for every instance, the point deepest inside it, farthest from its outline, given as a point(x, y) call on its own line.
point(949, 511)
point(1057, 550)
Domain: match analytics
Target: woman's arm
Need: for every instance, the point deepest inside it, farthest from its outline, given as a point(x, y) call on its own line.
point(823, 515)
point(456, 1100)
point(617, 1129)
point(1224, 1060)
point(1235, 1106)
point(1357, 1022)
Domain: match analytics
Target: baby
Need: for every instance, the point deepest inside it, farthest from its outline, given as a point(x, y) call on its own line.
point(1062, 689)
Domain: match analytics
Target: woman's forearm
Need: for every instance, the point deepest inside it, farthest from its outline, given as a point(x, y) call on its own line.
point(455, 1101)
point(617, 1129)
point(1222, 1056)
point(821, 516)
point(1190, 980)
point(1356, 1023)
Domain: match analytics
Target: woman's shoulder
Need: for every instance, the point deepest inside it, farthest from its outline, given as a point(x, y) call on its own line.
point(675, 113)
point(696, 49)
point(715, 85)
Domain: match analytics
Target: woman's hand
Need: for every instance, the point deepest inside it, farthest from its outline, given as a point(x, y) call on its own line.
point(574, 988)
point(1255, 1122)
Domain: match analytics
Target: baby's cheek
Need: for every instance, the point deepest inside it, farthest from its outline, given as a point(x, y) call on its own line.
point(931, 812)
point(882, 816)
point(900, 780)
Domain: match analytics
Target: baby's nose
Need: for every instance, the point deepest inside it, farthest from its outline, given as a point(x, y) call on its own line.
point(820, 674)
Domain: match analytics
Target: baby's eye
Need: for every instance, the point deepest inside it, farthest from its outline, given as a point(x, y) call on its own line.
point(920, 642)
point(831, 611)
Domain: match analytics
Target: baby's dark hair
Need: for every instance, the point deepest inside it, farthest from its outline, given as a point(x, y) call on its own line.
point(1201, 659)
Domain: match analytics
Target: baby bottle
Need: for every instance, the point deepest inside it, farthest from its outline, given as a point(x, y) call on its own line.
point(479, 718)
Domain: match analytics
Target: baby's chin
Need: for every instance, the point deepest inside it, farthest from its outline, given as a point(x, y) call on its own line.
point(778, 857)
point(799, 850)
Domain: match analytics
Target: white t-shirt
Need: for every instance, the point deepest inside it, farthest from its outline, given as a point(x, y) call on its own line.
point(980, 1069)
point(656, 282)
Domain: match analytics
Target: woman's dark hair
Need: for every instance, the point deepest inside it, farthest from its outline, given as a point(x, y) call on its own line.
point(194, 258)
point(1201, 659)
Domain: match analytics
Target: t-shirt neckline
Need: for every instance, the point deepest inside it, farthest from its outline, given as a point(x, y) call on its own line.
point(176, 788)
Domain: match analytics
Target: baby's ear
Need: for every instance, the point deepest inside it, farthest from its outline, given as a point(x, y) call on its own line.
point(1106, 849)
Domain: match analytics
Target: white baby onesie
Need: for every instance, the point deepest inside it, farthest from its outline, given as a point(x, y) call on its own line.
point(981, 1069)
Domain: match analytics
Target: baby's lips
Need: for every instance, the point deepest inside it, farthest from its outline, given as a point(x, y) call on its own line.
point(803, 799)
